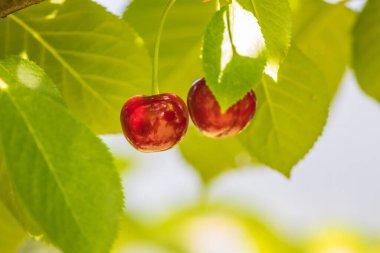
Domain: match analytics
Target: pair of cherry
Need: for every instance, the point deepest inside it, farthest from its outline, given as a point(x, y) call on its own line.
point(158, 122)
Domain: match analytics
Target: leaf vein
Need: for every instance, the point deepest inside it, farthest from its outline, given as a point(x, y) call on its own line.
point(60, 59)
point(47, 160)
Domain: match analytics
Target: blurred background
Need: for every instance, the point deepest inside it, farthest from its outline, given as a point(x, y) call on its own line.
point(331, 203)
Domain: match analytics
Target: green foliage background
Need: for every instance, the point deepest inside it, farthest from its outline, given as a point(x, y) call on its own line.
point(67, 67)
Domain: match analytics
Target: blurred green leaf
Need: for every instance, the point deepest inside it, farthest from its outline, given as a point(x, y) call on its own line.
point(62, 174)
point(11, 234)
point(291, 114)
point(122, 163)
point(232, 69)
point(294, 5)
point(189, 231)
point(179, 62)
point(322, 32)
point(366, 49)
point(210, 156)
point(327, 240)
point(96, 60)
point(275, 20)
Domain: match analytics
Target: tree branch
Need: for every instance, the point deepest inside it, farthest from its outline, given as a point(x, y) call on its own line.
point(9, 6)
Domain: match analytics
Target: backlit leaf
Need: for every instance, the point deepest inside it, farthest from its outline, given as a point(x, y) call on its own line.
point(322, 32)
point(315, 22)
point(96, 60)
point(274, 18)
point(366, 50)
point(232, 68)
point(62, 174)
point(210, 156)
point(179, 62)
point(291, 114)
point(11, 234)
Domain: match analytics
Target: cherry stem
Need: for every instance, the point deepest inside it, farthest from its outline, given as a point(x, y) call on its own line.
point(155, 87)
point(229, 30)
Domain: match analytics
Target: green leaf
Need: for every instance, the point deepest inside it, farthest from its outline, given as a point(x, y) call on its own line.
point(323, 32)
point(96, 60)
point(179, 62)
point(232, 69)
point(11, 234)
point(12, 202)
point(294, 4)
point(31, 76)
point(275, 20)
point(315, 23)
point(366, 50)
point(291, 114)
point(204, 153)
point(62, 174)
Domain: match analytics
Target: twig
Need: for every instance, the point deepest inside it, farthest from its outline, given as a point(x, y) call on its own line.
point(9, 6)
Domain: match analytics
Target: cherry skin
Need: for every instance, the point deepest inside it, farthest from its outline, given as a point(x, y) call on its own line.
point(154, 123)
point(207, 116)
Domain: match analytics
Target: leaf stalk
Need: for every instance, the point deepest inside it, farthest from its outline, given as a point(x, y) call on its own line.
point(228, 13)
point(10, 6)
point(155, 86)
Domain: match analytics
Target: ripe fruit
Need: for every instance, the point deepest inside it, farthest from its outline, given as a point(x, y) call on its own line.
point(154, 123)
point(207, 116)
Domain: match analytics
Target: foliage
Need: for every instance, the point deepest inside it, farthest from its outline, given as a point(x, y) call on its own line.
point(204, 154)
point(224, 64)
point(366, 50)
point(180, 64)
point(279, 146)
point(290, 115)
point(80, 58)
point(11, 233)
point(323, 32)
point(52, 181)
point(182, 232)
point(67, 67)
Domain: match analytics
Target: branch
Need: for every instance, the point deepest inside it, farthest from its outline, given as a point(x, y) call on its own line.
point(9, 6)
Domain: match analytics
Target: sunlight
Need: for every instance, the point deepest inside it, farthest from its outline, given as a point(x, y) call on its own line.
point(27, 77)
point(51, 15)
point(201, 234)
point(36, 237)
point(139, 41)
point(338, 242)
point(338, 249)
point(227, 52)
point(57, 1)
point(247, 35)
point(271, 69)
point(3, 85)
point(24, 55)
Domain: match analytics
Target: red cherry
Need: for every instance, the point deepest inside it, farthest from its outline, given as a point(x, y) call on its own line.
point(207, 116)
point(154, 123)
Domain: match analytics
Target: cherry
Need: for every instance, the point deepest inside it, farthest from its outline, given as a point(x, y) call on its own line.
point(207, 116)
point(154, 123)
